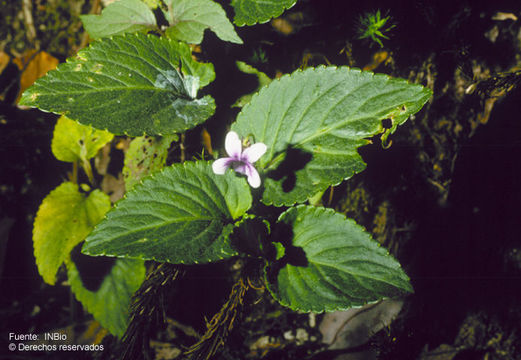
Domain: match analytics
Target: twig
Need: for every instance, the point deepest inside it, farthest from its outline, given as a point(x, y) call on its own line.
point(220, 326)
point(182, 147)
point(27, 9)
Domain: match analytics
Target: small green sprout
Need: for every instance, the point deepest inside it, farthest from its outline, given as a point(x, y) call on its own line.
point(373, 26)
point(259, 56)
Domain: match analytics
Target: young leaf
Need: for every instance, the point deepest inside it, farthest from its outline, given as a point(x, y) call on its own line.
point(109, 301)
point(313, 122)
point(120, 17)
point(250, 12)
point(183, 214)
point(331, 263)
point(144, 156)
point(64, 219)
point(128, 84)
point(72, 141)
point(189, 18)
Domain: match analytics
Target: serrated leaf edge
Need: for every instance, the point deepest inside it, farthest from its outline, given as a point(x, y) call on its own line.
point(80, 59)
point(137, 187)
point(321, 68)
point(310, 209)
point(277, 14)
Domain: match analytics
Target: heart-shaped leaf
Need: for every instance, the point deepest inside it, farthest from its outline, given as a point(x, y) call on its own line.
point(313, 122)
point(120, 17)
point(330, 263)
point(64, 219)
point(183, 214)
point(130, 84)
point(250, 12)
point(189, 18)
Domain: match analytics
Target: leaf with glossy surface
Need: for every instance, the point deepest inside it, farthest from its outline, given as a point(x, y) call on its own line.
point(120, 17)
point(64, 219)
point(73, 141)
point(128, 84)
point(108, 301)
point(250, 12)
point(331, 263)
point(189, 18)
point(183, 214)
point(314, 121)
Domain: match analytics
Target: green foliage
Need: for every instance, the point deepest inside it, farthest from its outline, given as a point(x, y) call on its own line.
point(129, 85)
point(109, 303)
point(145, 156)
point(123, 16)
point(64, 219)
point(250, 12)
point(72, 141)
point(183, 214)
point(330, 263)
point(189, 18)
point(373, 26)
point(313, 121)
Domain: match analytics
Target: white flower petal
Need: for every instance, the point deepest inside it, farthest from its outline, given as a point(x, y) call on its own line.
point(254, 152)
point(253, 176)
point(219, 166)
point(233, 145)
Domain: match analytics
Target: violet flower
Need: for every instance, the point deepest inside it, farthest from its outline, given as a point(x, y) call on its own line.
point(240, 160)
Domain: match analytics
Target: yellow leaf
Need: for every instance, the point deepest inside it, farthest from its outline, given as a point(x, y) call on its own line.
point(64, 219)
point(34, 65)
point(4, 60)
point(378, 58)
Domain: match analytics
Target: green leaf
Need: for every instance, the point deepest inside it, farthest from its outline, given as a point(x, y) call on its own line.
point(128, 84)
point(183, 214)
point(189, 19)
point(250, 12)
point(144, 156)
point(64, 219)
point(72, 141)
point(109, 301)
point(262, 78)
point(313, 122)
point(331, 263)
point(120, 17)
